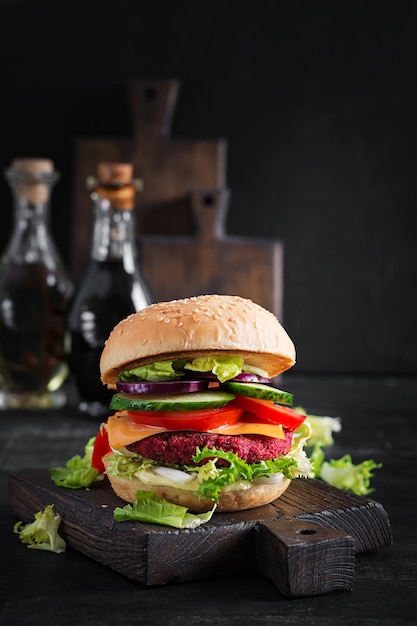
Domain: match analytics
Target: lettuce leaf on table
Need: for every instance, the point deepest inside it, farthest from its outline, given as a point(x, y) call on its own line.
point(342, 473)
point(42, 533)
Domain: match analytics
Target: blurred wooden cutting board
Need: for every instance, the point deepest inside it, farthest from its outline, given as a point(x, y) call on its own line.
point(180, 218)
point(211, 262)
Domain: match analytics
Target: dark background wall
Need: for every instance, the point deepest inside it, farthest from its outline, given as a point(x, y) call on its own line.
point(318, 103)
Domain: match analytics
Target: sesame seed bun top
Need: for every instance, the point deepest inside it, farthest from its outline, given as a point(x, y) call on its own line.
point(198, 326)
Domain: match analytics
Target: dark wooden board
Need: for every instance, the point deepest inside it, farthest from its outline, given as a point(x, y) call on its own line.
point(209, 261)
point(168, 167)
point(305, 542)
point(181, 211)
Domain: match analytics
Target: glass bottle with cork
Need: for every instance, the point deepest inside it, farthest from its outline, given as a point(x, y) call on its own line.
point(35, 291)
point(112, 286)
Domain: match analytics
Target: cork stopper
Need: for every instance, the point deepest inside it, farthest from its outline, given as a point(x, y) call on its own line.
point(33, 166)
point(115, 173)
point(32, 178)
point(115, 184)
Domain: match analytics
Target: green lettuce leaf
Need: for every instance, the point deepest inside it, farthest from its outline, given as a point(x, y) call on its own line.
point(223, 367)
point(126, 466)
point(159, 371)
point(216, 478)
point(148, 507)
point(344, 474)
point(78, 471)
point(42, 534)
point(251, 369)
point(317, 457)
point(341, 473)
point(322, 428)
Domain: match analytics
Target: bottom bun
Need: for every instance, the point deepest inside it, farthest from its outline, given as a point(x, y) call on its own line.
point(235, 500)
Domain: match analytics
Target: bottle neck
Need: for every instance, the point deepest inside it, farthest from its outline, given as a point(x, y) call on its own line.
point(113, 235)
point(31, 241)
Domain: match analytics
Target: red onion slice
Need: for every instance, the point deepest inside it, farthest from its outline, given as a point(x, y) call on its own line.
point(163, 387)
point(246, 377)
point(207, 376)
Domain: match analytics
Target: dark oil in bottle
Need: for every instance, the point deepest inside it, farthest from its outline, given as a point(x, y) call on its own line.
point(33, 305)
point(106, 296)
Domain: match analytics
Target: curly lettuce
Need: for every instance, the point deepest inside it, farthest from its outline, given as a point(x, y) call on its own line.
point(42, 533)
point(341, 473)
point(78, 471)
point(216, 478)
point(344, 474)
point(322, 428)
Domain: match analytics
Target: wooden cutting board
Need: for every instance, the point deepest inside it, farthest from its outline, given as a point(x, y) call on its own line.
point(168, 167)
point(181, 210)
point(305, 542)
point(209, 261)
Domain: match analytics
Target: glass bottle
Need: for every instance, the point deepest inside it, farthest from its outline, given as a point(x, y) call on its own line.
point(34, 294)
point(112, 287)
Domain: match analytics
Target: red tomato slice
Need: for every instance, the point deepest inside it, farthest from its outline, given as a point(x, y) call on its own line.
point(200, 420)
point(100, 449)
point(267, 412)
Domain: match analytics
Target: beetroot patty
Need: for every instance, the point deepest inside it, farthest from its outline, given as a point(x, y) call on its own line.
point(179, 447)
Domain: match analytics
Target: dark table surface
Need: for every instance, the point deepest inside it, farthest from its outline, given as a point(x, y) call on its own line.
point(379, 421)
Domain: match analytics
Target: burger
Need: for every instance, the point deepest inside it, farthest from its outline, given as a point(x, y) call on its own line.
point(196, 418)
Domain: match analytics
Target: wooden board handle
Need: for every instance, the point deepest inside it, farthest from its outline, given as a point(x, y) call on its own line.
point(209, 209)
point(305, 559)
point(153, 105)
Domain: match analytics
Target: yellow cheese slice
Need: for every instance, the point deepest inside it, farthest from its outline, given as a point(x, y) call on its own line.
point(250, 428)
point(123, 432)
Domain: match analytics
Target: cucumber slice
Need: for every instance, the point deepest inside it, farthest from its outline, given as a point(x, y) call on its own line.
point(176, 402)
point(260, 391)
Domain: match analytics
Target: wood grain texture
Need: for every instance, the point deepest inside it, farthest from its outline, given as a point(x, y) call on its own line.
point(364, 519)
point(302, 557)
point(305, 559)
